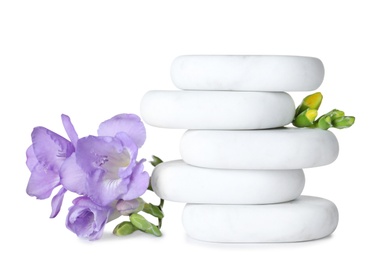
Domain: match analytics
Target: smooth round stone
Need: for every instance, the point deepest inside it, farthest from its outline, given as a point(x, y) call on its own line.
point(178, 181)
point(247, 73)
point(283, 148)
point(303, 219)
point(217, 109)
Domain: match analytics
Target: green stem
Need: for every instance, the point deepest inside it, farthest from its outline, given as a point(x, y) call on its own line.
point(159, 223)
point(160, 219)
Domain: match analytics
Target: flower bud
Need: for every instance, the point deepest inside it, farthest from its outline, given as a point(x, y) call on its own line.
point(306, 118)
point(324, 122)
point(335, 113)
point(153, 210)
point(142, 224)
point(343, 122)
point(127, 207)
point(312, 101)
point(125, 228)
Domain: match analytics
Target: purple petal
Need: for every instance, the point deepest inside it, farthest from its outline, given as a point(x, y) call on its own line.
point(42, 182)
point(128, 123)
point(50, 148)
point(70, 130)
point(31, 161)
point(109, 163)
point(93, 153)
point(132, 152)
point(139, 182)
point(81, 222)
point(104, 191)
point(73, 178)
point(125, 172)
point(127, 142)
point(86, 202)
point(57, 202)
point(86, 219)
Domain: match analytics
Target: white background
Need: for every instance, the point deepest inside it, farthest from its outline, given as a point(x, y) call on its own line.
point(94, 59)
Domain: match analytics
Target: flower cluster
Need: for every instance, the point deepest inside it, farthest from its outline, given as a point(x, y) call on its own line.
point(306, 113)
point(103, 170)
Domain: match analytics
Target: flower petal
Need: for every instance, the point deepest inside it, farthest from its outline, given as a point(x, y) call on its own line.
point(138, 184)
point(109, 163)
point(31, 161)
point(73, 178)
point(130, 124)
point(87, 219)
point(80, 221)
point(50, 148)
point(103, 191)
point(132, 150)
point(57, 202)
point(70, 130)
point(93, 152)
point(42, 182)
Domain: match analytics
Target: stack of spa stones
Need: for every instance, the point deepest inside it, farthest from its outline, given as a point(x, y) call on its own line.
point(241, 174)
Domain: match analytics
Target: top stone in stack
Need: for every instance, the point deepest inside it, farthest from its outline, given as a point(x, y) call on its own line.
point(247, 73)
point(232, 92)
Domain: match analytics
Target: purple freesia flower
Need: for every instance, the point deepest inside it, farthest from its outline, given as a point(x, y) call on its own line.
point(44, 159)
point(87, 219)
point(104, 167)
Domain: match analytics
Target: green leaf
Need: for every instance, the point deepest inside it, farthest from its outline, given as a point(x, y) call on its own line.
point(153, 210)
point(125, 228)
point(156, 161)
point(142, 224)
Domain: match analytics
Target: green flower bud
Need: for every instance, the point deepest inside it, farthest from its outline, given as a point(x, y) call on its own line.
point(343, 122)
point(306, 118)
point(335, 113)
point(125, 228)
point(324, 122)
point(142, 224)
point(153, 210)
point(312, 101)
point(127, 207)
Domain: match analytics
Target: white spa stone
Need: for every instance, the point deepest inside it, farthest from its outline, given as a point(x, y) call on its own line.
point(282, 148)
point(178, 181)
point(217, 109)
point(247, 73)
point(303, 219)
